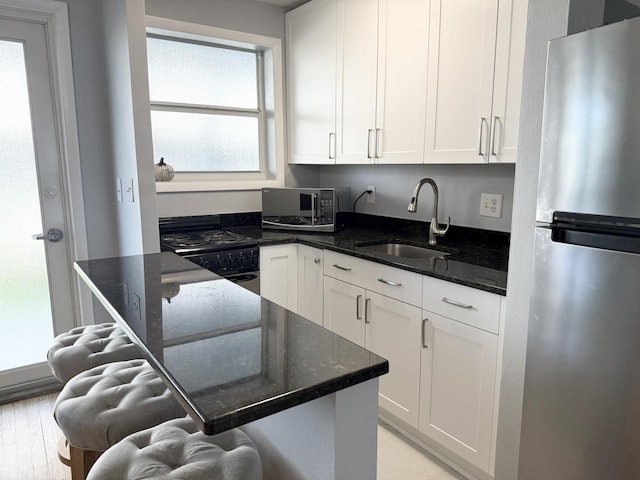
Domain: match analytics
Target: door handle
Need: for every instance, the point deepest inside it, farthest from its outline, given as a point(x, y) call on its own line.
point(457, 304)
point(53, 235)
point(358, 316)
point(340, 267)
point(492, 143)
point(483, 122)
point(424, 331)
point(332, 146)
point(389, 282)
point(366, 310)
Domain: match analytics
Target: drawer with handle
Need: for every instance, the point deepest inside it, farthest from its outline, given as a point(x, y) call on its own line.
point(383, 279)
point(465, 304)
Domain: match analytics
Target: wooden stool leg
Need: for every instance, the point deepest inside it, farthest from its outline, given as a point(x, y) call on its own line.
point(63, 450)
point(81, 462)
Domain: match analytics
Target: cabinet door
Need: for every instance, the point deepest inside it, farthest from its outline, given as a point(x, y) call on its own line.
point(461, 66)
point(278, 275)
point(457, 390)
point(344, 309)
point(393, 332)
point(403, 41)
point(507, 90)
point(310, 283)
point(311, 32)
point(357, 67)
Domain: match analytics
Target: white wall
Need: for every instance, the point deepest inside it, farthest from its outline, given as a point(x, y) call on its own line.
point(129, 111)
point(459, 188)
point(547, 19)
point(94, 129)
point(240, 15)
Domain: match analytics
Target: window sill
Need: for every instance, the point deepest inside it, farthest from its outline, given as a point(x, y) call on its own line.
point(175, 186)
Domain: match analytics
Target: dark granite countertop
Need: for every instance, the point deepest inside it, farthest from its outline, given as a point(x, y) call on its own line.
point(230, 356)
point(477, 258)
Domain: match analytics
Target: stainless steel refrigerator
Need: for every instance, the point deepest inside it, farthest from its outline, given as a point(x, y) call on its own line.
point(581, 412)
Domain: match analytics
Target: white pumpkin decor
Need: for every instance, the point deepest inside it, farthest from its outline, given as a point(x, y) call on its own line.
point(164, 172)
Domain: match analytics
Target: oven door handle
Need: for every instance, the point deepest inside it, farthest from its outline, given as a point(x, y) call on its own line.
point(301, 227)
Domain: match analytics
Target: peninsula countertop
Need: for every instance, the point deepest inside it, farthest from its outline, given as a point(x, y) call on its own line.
point(230, 356)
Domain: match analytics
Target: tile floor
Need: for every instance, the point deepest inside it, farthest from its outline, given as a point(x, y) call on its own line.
point(399, 459)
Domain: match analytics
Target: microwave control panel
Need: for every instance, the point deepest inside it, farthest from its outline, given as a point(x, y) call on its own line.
point(325, 212)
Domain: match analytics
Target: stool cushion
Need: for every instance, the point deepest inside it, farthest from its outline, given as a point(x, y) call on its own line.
point(86, 347)
point(101, 406)
point(177, 449)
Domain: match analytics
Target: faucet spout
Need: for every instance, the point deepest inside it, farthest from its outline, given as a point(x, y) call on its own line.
point(434, 226)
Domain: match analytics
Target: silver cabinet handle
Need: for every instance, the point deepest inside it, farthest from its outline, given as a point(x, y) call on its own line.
point(387, 282)
point(367, 301)
point(369, 133)
point(358, 316)
point(316, 260)
point(492, 144)
point(53, 235)
point(378, 142)
point(340, 267)
point(332, 146)
point(483, 122)
point(457, 304)
point(424, 333)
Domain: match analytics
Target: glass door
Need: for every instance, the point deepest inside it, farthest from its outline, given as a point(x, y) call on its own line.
point(36, 300)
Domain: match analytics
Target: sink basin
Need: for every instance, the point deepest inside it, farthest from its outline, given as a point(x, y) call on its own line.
point(405, 251)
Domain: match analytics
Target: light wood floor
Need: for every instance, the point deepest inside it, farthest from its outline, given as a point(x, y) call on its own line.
point(28, 438)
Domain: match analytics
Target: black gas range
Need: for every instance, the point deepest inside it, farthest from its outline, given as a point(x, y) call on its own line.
point(203, 240)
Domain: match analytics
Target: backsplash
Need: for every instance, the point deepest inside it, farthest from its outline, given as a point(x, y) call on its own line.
point(459, 189)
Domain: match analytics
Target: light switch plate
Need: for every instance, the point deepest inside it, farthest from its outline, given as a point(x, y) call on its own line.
point(119, 197)
point(491, 205)
point(129, 193)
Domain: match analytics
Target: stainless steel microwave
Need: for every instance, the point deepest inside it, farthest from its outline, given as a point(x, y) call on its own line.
point(305, 209)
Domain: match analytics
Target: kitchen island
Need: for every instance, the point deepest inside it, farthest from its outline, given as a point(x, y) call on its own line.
point(306, 396)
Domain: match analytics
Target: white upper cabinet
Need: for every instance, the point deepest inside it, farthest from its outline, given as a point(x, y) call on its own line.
point(374, 108)
point(401, 106)
point(405, 81)
point(382, 80)
point(476, 54)
point(311, 39)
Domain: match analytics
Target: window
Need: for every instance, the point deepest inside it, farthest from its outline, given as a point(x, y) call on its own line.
point(215, 111)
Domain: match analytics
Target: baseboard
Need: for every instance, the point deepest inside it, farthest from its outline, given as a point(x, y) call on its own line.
point(29, 390)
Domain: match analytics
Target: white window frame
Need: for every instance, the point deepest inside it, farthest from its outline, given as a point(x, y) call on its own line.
point(273, 162)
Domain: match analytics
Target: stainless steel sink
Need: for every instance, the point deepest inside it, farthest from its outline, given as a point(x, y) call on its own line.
point(405, 251)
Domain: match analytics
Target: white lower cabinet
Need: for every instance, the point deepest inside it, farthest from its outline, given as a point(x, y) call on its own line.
point(440, 338)
point(458, 373)
point(458, 378)
point(279, 275)
point(310, 283)
point(384, 325)
point(393, 332)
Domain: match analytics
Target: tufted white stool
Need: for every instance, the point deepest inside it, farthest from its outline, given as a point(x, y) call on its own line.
point(101, 406)
point(178, 449)
point(86, 347)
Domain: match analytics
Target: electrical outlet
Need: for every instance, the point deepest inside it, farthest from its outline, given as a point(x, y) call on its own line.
point(371, 197)
point(491, 205)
